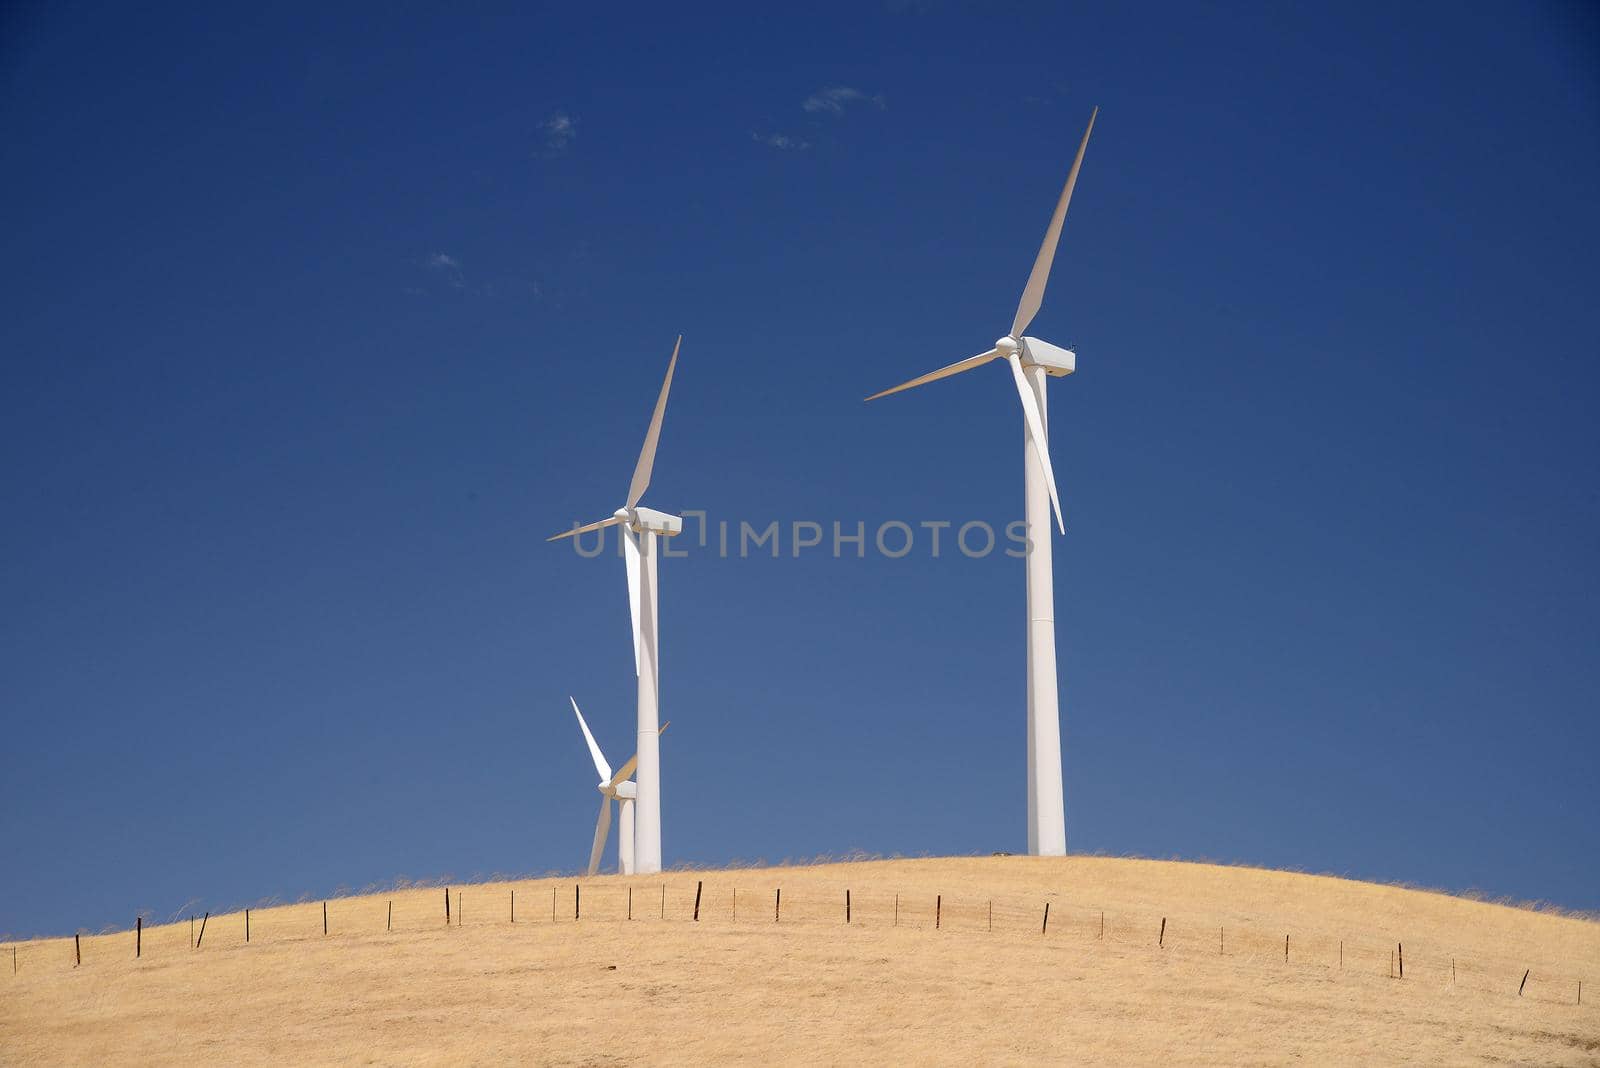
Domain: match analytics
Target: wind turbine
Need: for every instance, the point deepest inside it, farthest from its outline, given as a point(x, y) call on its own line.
point(1031, 360)
point(640, 529)
point(613, 787)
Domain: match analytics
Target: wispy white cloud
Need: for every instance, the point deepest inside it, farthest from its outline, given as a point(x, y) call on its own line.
point(441, 270)
point(782, 142)
point(834, 99)
point(448, 266)
point(559, 131)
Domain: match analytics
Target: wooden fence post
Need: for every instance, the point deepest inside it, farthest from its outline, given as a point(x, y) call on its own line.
point(514, 905)
point(247, 925)
point(697, 887)
point(1286, 949)
point(138, 937)
point(847, 906)
point(1523, 983)
point(324, 917)
point(1402, 956)
point(202, 937)
point(777, 905)
point(630, 902)
point(577, 901)
point(447, 906)
point(77, 951)
point(1161, 939)
point(1045, 926)
point(938, 908)
point(388, 924)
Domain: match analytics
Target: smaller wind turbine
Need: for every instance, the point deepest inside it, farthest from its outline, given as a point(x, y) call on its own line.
point(614, 786)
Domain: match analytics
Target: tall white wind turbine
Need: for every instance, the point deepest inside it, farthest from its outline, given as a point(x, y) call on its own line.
point(614, 786)
point(1031, 360)
point(640, 529)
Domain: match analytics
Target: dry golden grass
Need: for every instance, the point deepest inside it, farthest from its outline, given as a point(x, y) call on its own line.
point(668, 990)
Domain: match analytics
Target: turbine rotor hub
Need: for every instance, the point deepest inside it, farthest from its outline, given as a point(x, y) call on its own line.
point(1007, 346)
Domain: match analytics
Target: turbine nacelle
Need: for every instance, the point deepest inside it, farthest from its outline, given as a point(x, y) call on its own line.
point(1055, 360)
point(640, 520)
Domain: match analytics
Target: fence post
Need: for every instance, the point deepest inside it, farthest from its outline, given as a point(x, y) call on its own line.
point(447, 906)
point(847, 906)
point(697, 887)
point(1286, 950)
point(777, 905)
point(1045, 926)
point(1523, 983)
point(938, 907)
point(77, 951)
point(1161, 939)
point(630, 902)
point(388, 924)
point(514, 905)
point(577, 901)
point(138, 938)
point(1401, 947)
point(247, 925)
point(324, 917)
point(202, 937)
point(552, 904)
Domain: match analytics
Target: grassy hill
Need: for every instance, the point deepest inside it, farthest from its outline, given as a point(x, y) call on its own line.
point(943, 961)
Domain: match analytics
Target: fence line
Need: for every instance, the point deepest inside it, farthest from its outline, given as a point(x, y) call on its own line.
point(1063, 922)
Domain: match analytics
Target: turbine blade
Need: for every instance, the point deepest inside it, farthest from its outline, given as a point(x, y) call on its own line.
point(625, 771)
point(1033, 294)
point(600, 764)
point(630, 550)
point(647, 455)
point(1041, 446)
point(613, 521)
point(602, 827)
point(944, 372)
point(633, 761)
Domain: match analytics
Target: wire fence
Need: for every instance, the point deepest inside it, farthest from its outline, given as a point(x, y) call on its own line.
point(726, 901)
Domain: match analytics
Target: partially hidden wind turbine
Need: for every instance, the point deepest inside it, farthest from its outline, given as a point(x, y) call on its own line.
point(640, 529)
point(614, 786)
point(1031, 361)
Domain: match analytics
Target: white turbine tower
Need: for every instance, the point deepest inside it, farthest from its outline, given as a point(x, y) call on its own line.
point(640, 529)
point(613, 787)
point(1031, 360)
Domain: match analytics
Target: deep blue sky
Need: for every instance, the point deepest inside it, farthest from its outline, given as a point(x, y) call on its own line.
point(317, 325)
